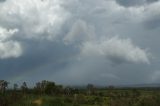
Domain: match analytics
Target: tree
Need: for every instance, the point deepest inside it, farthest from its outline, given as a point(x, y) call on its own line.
point(50, 88)
point(68, 90)
point(15, 87)
point(24, 87)
point(43, 85)
point(58, 89)
point(90, 88)
point(3, 86)
point(38, 88)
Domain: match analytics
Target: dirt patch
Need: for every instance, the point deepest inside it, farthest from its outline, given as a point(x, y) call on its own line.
point(38, 102)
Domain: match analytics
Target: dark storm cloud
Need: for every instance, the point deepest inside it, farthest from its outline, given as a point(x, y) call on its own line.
point(128, 3)
point(152, 22)
point(151, 1)
point(79, 41)
point(2, 0)
point(37, 54)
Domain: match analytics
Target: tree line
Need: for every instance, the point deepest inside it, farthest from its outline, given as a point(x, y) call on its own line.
point(45, 87)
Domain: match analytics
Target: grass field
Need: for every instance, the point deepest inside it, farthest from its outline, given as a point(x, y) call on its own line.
point(47, 93)
point(114, 97)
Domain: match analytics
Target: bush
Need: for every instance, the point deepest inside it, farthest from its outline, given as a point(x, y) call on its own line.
point(147, 101)
point(48, 101)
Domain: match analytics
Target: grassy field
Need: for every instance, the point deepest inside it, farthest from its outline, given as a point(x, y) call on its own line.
point(114, 97)
point(48, 93)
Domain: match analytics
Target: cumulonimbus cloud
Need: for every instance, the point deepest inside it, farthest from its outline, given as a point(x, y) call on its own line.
point(60, 31)
point(116, 49)
point(40, 19)
point(129, 3)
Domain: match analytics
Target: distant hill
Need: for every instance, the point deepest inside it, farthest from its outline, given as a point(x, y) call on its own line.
point(140, 85)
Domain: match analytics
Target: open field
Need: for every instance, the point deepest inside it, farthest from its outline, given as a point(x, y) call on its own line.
point(50, 94)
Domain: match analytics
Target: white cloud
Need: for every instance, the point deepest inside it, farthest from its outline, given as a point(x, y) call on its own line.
point(8, 47)
point(80, 32)
point(34, 18)
point(5, 33)
point(115, 49)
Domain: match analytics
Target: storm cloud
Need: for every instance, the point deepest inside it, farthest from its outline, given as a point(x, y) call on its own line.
point(80, 41)
point(130, 3)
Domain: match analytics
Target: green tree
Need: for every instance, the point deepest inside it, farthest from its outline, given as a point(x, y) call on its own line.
point(3, 86)
point(24, 87)
point(50, 88)
point(15, 87)
point(90, 89)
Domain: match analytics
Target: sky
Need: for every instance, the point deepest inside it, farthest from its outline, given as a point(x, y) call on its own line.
point(75, 42)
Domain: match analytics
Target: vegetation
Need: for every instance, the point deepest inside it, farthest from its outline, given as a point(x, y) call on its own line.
point(47, 93)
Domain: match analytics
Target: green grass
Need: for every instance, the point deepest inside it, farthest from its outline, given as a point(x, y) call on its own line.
point(102, 98)
point(60, 101)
